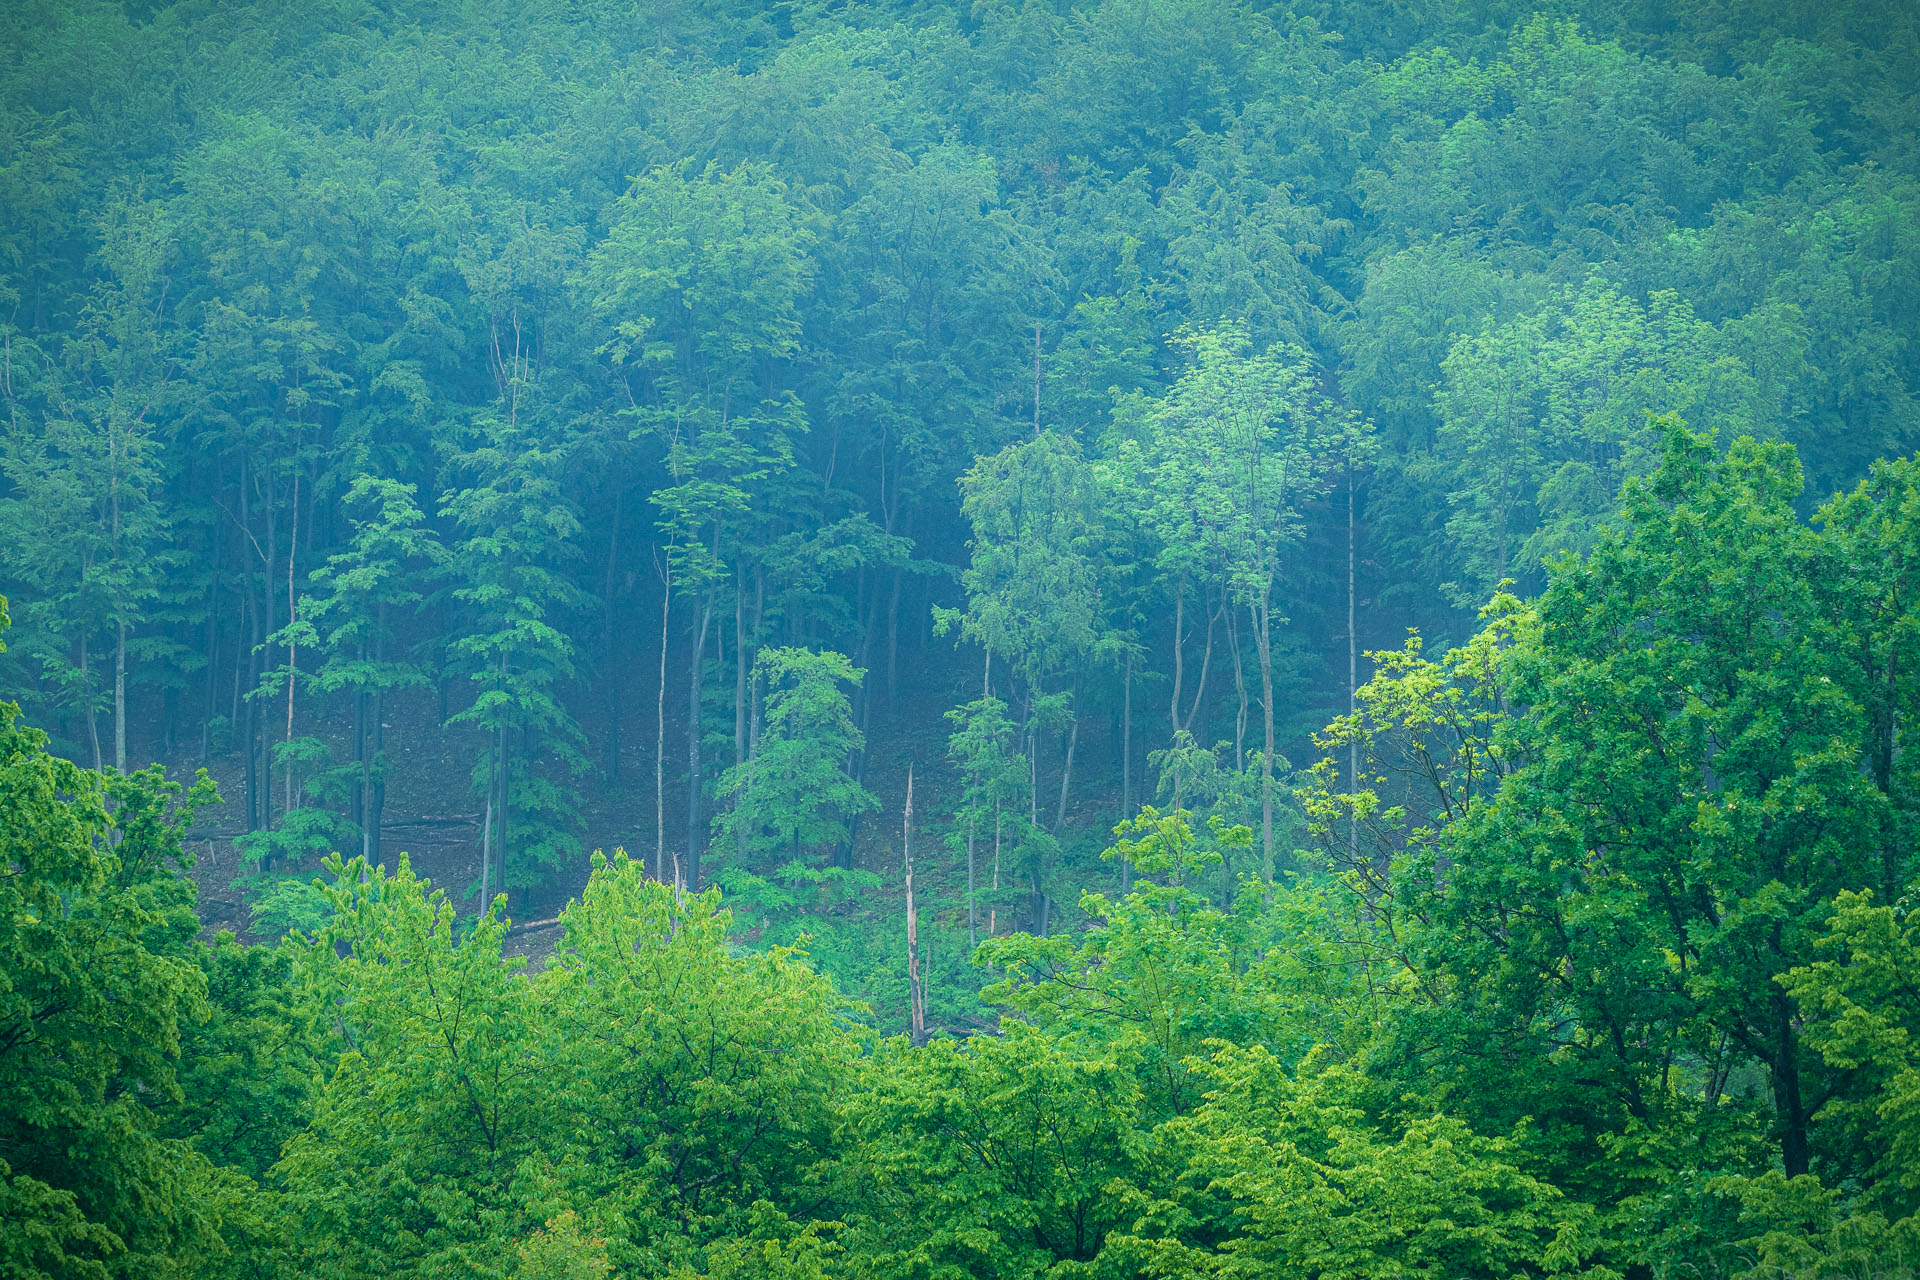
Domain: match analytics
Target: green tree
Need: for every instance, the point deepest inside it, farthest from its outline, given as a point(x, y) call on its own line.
point(793, 795)
point(700, 280)
point(99, 989)
point(355, 597)
point(1238, 445)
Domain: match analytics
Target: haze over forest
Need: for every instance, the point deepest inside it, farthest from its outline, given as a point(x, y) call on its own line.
point(1122, 638)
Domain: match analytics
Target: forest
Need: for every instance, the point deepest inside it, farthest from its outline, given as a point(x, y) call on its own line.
point(1088, 639)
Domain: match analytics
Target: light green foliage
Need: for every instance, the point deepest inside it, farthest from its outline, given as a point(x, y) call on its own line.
point(1030, 585)
point(1542, 419)
point(1311, 1187)
point(793, 797)
point(99, 990)
point(1009, 1155)
point(645, 1079)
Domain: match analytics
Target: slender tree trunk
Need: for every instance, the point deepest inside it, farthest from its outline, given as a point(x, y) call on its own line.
point(1036, 379)
point(916, 992)
point(1206, 664)
point(377, 783)
point(264, 628)
point(1066, 767)
point(362, 801)
point(503, 805)
point(993, 912)
point(696, 828)
point(486, 840)
point(293, 605)
point(739, 667)
point(611, 623)
point(660, 726)
point(1353, 663)
point(1240, 688)
point(86, 690)
point(1263, 640)
point(120, 699)
point(1126, 767)
point(251, 713)
point(120, 622)
point(1179, 658)
point(973, 928)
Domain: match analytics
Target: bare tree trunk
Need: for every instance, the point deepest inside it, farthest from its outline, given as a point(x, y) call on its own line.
point(361, 801)
point(376, 786)
point(1353, 663)
point(86, 690)
point(503, 805)
point(1036, 379)
point(1263, 641)
point(293, 605)
point(739, 667)
point(611, 623)
point(973, 927)
point(1179, 659)
point(1066, 768)
point(993, 912)
point(1240, 688)
point(120, 699)
point(486, 840)
point(660, 725)
point(1206, 664)
point(916, 990)
point(1126, 768)
point(696, 828)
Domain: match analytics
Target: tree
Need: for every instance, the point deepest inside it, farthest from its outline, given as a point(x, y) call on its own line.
point(1238, 444)
point(100, 986)
point(700, 281)
point(518, 529)
point(793, 796)
point(356, 594)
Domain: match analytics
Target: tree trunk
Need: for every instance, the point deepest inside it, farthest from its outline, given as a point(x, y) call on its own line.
point(1179, 659)
point(1240, 688)
point(1066, 767)
point(120, 699)
point(660, 726)
point(1263, 641)
point(1126, 768)
point(611, 623)
point(739, 667)
point(1206, 665)
point(256, 785)
point(993, 912)
point(1353, 662)
point(916, 992)
point(696, 829)
point(377, 784)
point(360, 805)
point(973, 927)
point(86, 691)
point(293, 605)
point(1789, 1107)
point(486, 840)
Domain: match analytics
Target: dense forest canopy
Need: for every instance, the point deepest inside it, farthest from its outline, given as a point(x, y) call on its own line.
point(1204, 638)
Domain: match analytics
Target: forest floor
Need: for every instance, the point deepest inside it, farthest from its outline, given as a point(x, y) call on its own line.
point(432, 815)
